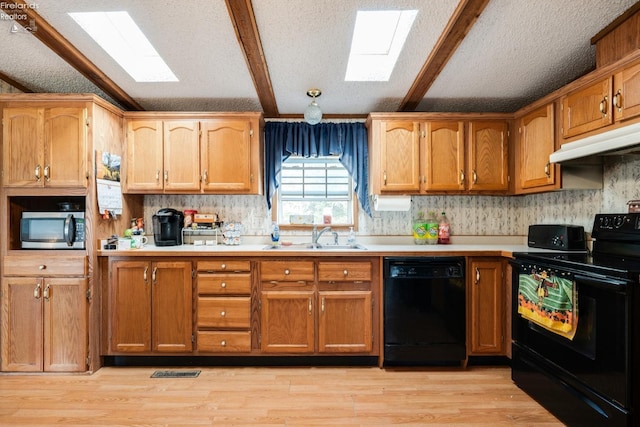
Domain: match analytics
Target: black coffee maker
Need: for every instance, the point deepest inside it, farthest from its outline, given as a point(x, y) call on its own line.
point(167, 227)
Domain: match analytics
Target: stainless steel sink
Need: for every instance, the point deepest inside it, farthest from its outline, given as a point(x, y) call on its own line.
point(316, 247)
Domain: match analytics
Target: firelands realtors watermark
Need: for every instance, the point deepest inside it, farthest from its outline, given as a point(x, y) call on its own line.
point(15, 12)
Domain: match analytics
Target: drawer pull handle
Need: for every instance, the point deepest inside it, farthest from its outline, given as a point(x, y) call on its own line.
point(617, 100)
point(477, 276)
point(322, 308)
point(37, 172)
point(223, 313)
point(47, 177)
point(223, 343)
point(45, 293)
point(603, 106)
point(153, 274)
point(36, 291)
point(287, 272)
point(223, 285)
point(310, 306)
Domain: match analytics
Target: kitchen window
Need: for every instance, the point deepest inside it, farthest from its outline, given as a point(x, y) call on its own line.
point(315, 190)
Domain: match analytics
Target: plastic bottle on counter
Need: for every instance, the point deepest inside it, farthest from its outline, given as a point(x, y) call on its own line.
point(419, 230)
point(432, 229)
point(351, 238)
point(275, 233)
point(444, 231)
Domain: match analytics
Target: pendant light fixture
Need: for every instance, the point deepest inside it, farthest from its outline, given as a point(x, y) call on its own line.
point(313, 113)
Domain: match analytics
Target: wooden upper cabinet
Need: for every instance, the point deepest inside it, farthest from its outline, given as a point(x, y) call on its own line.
point(229, 157)
point(587, 108)
point(168, 154)
point(181, 155)
point(443, 156)
point(626, 92)
point(145, 158)
point(487, 154)
point(399, 158)
point(537, 142)
point(45, 147)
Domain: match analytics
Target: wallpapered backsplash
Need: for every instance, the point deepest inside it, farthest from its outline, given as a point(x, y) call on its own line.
point(469, 215)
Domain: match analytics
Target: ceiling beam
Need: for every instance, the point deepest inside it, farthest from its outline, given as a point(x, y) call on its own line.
point(463, 18)
point(12, 82)
point(244, 23)
point(56, 42)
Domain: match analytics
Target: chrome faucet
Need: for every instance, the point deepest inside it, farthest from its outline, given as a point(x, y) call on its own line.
point(315, 234)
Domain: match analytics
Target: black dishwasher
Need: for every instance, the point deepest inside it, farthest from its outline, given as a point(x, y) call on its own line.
point(424, 310)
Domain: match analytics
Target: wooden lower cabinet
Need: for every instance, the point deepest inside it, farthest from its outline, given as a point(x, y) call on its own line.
point(223, 306)
point(150, 306)
point(487, 312)
point(345, 322)
point(331, 313)
point(44, 324)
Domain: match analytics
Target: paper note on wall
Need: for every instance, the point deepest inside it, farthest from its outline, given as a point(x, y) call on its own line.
point(108, 184)
point(109, 197)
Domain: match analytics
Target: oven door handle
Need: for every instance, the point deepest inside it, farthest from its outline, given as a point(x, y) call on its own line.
point(608, 284)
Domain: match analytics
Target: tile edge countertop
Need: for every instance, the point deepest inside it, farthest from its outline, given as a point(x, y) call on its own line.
point(495, 247)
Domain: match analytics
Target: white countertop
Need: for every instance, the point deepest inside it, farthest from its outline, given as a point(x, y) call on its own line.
point(384, 249)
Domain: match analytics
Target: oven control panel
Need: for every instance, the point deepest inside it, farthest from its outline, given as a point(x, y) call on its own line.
point(624, 223)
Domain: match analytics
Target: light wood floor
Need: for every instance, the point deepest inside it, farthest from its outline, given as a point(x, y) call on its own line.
point(271, 396)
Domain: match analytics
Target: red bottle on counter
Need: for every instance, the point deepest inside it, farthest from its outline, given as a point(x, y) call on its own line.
point(444, 232)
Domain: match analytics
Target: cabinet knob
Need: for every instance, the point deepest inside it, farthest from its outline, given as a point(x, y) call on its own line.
point(223, 313)
point(223, 285)
point(223, 343)
point(223, 266)
point(287, 272)
point(345, 272)
point(42, 267)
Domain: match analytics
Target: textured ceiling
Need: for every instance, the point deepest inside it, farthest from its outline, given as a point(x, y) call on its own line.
point(516, 52)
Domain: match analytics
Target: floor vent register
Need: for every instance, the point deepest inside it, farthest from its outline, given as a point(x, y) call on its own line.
point(175, 374)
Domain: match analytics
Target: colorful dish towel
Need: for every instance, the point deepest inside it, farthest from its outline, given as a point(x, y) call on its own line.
point(549, 301)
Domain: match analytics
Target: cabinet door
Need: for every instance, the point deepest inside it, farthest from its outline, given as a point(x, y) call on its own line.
point(22, 321)
point(181, 155)
point(345, 322)
point(488, 166)
point(130, 306)
point(144, 156)
point(443, 156)
point(287, 322)
point(587, 108)
point(172, 318)
point(537, 142)
point(399, 156)
point(65, 324)
point(487, 308)
point(626, 92)
point(227, 155)
point(23, 147)
point(65, 147)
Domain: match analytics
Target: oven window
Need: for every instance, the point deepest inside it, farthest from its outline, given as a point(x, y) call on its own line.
point(584, 342)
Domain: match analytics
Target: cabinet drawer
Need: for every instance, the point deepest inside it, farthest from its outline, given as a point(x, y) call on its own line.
point(344, 271)
point(224, 265)
point(224, 284)
point(224, 312)
point(224, 341)
point(45, 266)
point(287, 271)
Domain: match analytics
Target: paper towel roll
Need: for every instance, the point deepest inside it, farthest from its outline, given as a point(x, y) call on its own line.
point(392, 203)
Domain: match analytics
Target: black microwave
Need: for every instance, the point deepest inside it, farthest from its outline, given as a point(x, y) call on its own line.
point(52, 230)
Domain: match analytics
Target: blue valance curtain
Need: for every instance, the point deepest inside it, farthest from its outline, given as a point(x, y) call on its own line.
point(346, 140)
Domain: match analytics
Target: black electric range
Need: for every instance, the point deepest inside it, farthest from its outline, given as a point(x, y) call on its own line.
point(576, 326)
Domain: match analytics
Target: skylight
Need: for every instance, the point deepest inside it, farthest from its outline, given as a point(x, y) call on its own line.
point(123, 40)
point(378, 38)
